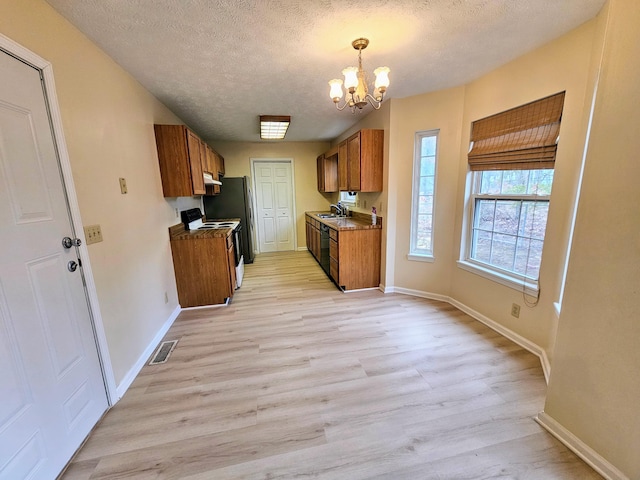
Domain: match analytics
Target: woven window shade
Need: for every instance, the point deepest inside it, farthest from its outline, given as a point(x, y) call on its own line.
point(522, 138)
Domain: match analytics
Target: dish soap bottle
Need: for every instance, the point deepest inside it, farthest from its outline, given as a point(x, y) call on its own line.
point(374, 216)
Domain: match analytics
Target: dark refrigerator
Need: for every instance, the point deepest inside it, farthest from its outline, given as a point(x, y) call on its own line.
point(234, 201)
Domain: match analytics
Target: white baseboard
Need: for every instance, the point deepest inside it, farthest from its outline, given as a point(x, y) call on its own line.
point(421, 294)
point(131, 375)
point(502, 330)
point(582, 450)
point(508, 333)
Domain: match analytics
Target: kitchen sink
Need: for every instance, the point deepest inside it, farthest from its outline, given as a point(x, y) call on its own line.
point(326, 215)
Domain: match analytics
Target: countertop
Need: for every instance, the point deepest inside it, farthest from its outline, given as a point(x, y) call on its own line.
point(359, 221)
point(177, 232)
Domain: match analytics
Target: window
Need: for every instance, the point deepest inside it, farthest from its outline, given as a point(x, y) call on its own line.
point(511, 159)
point(348, 197)
point(424, 181)
point(509, 211)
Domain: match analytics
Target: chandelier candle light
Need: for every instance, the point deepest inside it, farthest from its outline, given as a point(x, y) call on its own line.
point(355, 83)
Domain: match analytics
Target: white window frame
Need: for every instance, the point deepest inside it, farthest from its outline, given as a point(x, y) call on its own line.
point(416, 254)
point(529, 285)
point(348, 199)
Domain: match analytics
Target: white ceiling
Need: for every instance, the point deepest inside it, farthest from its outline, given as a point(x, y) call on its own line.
point(220, 64)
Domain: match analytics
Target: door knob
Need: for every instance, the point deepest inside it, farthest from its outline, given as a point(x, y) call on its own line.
point(68, 242)
point(72, 266)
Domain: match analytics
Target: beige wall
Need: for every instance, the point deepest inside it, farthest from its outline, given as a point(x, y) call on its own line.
point(595, 382)
point(440, 110)
point(560, 65)
point(378, 119)
point(237, 161)
point(108, 124)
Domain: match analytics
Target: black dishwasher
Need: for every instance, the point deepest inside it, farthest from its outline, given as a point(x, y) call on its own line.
point(324, 248)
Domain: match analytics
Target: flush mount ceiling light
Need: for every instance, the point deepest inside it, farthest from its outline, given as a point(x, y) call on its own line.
point(274, 127)
point(355, 83)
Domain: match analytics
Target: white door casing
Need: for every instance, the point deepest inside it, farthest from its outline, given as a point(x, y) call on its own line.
point(51, 380)
point(274, 204)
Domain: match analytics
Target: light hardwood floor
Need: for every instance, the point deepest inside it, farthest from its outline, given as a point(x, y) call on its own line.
point(295, 379)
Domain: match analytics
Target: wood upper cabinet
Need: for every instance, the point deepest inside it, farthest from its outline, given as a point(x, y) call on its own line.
point(212, 168)
point(360, 161)
point(180, 155)
point(220, 164)
point(327, 173)
point(343, 184)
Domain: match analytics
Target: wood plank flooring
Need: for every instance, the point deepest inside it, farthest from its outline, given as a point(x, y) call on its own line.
point(296, 380)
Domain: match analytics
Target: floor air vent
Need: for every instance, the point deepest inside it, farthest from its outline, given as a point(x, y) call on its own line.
point(163, 352)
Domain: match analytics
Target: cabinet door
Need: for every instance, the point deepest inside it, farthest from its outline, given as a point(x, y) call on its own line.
point(195, 163)
point(231, 256)
point(371, 160)
point(353, 163)
point(316, 242)
point(308, 233)
point(320, 172)
point(220, 162)
point(333, 260)
point(212, 168)
point(343, 184)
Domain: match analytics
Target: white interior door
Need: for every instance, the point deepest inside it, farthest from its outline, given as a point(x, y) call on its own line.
point(274, 195)
point(51, 387)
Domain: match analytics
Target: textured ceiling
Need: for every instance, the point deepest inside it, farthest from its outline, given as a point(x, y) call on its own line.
point(220, 64)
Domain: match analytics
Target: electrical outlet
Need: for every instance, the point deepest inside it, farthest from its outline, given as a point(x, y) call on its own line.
point(123, 186)
point(93, 234)
point(177, 214)
point(365, 204)
point(515, 310)
point(166, 298)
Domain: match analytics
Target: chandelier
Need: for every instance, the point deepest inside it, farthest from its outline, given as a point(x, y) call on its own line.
point(355, 84)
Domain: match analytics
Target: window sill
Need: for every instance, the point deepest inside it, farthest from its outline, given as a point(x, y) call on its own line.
point(414, 257)
point(517, 283)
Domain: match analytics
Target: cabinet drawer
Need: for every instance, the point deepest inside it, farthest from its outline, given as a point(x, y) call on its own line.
point(333, 249)
point(333, 270)
point(333, 234)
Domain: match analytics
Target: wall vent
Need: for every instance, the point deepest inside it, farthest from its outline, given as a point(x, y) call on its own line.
point(163, 352)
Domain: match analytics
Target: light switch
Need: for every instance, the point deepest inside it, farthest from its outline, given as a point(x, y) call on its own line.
point(123, 186)
point(93, 234)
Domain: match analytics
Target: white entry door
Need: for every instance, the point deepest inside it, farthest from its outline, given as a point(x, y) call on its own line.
point(51, 387)
point(274, 194)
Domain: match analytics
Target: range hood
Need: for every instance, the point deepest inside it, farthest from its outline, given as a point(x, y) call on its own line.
point(208, 179)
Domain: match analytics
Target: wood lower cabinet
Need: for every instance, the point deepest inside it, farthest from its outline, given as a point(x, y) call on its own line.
point(354, 254)
point(313, 236)
point(334, 270)
point(354, 257)
point(205, 270)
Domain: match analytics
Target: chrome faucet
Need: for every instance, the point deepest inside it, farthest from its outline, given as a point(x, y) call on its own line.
point(338, 207)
